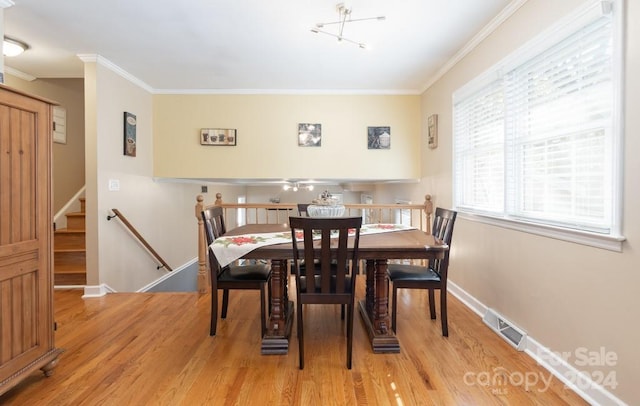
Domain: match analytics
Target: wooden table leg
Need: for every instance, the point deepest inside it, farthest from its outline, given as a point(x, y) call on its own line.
point(375, 309)
point(371, 285)
point(280, 323)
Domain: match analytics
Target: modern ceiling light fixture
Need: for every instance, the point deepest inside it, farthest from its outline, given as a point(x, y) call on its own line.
point(295, 186)
point(344, 17)
point(13, 47)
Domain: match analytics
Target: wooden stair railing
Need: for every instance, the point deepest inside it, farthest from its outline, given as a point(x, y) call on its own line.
point(274, 213)
point(144, 242)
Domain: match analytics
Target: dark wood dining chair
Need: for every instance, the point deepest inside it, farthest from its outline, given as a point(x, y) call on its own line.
point(247, 277)
point(327, 282)
point(302, 212)
point(302, 209)
point(432, 277)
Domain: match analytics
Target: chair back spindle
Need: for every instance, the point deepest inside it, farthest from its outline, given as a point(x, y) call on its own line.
point(302, 209)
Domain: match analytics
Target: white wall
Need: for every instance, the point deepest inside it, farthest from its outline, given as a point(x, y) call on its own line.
point(566, 296)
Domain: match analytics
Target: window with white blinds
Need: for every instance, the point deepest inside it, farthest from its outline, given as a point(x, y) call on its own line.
point(536, 138)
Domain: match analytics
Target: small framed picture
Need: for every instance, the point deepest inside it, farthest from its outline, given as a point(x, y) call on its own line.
point(432, 131)
point(379, 137)
point(309, 135)
point(130, 134)
point(218, 136)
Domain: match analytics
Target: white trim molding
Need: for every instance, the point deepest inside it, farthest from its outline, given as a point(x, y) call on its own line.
point(577, 381)
point(606, 242)
point(97, 291)
point(71, 202)
point(95, 58)
point(167, 276)
point(19, 74)
point(507, 12)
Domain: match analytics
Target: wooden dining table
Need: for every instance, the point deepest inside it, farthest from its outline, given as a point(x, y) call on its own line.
point(375, 249)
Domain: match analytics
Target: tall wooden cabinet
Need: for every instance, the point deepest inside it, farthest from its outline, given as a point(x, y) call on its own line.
point(26, 245)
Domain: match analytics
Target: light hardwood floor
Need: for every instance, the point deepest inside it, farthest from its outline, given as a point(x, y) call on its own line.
point(154, 349)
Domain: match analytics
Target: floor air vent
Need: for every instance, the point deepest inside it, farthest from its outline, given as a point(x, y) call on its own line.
point(505, 329)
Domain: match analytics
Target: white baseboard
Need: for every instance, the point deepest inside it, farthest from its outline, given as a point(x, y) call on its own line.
point(74, 201)
point(167, 276)
point(471, 302)
point(103, 289)
point(591, 391)
point(68, 287)
point(584, 386)
point(96, 291)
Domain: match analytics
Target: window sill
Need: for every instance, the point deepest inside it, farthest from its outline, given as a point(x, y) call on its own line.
point(606, 242)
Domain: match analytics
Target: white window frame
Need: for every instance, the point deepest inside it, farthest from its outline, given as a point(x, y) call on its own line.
point(241, 213)
point(613, 240)
point(402, 216)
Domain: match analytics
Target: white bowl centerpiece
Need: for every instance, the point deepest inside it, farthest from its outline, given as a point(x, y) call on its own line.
point(325, 206)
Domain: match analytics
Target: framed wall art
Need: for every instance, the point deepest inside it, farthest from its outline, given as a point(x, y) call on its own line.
point(218, 136)
point(432, 131)
point(130, 122)
point(309, 135)
point(379, 137)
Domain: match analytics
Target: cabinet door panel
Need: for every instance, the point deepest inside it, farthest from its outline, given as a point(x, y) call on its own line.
point(26, 282)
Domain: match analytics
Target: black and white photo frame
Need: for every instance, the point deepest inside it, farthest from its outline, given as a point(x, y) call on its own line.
point(379, 137)
point(309, 135)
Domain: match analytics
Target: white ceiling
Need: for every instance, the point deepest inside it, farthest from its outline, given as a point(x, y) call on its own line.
point(247, 45)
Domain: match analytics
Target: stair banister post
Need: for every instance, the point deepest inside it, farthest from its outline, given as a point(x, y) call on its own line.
point(218, 202)
point(202, 247)
point(428, 210)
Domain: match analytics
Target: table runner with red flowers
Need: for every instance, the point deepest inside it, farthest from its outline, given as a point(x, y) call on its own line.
point(229, 249)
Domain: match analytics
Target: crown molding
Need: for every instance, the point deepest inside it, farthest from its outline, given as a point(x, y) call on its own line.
point(410, 92)
point(95, 58)
point(506, 12)
point(6, 3)
point(19, 74)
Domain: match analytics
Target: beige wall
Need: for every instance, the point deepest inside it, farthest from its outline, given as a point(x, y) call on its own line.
point(566, 296)
point(267, 146)
point(161, 212)
point(68, 159)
